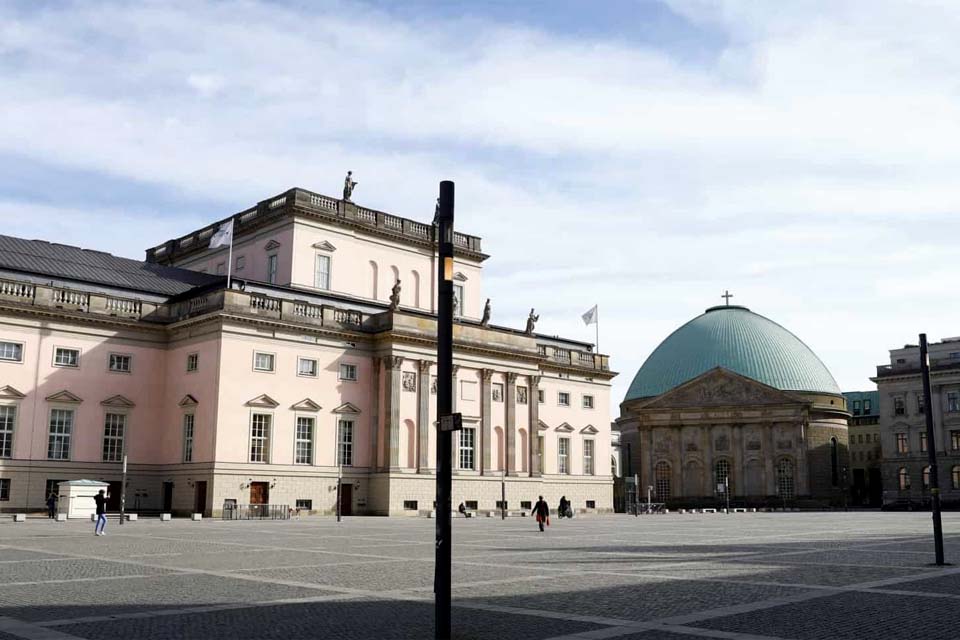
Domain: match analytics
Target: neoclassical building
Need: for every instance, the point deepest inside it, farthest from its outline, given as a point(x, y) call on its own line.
point(734, 399)
point(261, 393)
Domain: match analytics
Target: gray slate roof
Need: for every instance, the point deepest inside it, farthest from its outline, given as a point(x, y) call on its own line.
point(62, 261)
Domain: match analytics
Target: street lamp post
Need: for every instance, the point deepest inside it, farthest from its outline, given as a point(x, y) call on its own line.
point(123, 489)
point(931, 452)
point(339, 472)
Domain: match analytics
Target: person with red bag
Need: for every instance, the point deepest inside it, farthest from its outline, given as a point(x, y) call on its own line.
point(542, 512)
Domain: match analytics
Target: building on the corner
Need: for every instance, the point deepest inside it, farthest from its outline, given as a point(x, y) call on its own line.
point(263, 392)
point(903, 431)
point(866, 481)
point(734, 398)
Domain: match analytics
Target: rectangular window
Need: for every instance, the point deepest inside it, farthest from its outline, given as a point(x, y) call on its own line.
point(306, 505)
point(903, 445)
point(241, 262)
point(348, 372)
point(321, 279)
point(458, 300)
point(409, 505)
point(921, 409)
point(467, 439)
point(923, 443)
point(591, 504)
point(4, 489)
point(953, 401)
point(221, 268)
point(588, 457)
point(866, 407)
point(8, 417)
point(345, 445)
point(563, 398)
point(955, 440)
point(272, 269)
point(856, 407)
point(11, 351)
point(471, 505)
point(526, 504)
point(193, 362)
point(63, 357)
point(307, 367)
point(188, 421)
point(61, 426)
point(588, 402)
point(898, 407)
point(563, 454)
point(113, 429)
point(500, 504)
point(119, 363)
point(541, 396)
point(263, 361)
point(260, 437)
point(303, 453)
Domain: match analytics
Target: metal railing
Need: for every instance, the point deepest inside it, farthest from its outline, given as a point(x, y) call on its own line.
point(255, 511)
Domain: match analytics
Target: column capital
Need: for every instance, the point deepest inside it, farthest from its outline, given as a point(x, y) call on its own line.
point(535, 381)
point(423, 366)
point(392, 362)
point(511, 377)
point(487, 374)
point(454, 370)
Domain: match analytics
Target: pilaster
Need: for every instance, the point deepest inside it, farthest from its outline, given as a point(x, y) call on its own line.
point(423, 416)
point(510, 428)
point(533, 402)
point(768, 451)
point(708, 479)
point(803, 465)
point(392, 378)
point(486, 421)
point(738, 456)
point(375, 417)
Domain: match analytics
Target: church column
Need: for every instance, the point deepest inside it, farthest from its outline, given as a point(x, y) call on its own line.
point(706, 434)
point(738, 456)
point(375, 417)
point(681, 457)
point(534, 453)
point(392, 410)
point(423, 416)
point(510, 428)
point(651, 474)
point(803, 470)
point(768, 451)
point(486, 421)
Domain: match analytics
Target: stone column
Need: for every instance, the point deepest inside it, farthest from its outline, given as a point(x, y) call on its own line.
point(681, 457)
point(651, 464)
point(423, 416)
point(392, 410)
point(708, 462)
point(486, 421)
point(534, 453)
point(375, 418)
point(803, 470)
point(737, 450)
point(769, 452)
point(510, 428)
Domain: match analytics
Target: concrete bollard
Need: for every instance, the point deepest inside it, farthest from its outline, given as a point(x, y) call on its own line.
point(131, 517)
point(19, 517)
point(61, 517)
point(196, 517)
point(164, 517)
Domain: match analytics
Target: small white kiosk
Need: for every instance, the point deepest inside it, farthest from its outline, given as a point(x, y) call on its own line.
point(76, 497)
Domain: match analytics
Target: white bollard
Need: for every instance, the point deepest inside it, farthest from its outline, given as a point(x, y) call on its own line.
point(196, 517)
point(61, 517)
point(131, 517)
point(19, 517)
point(164, 517)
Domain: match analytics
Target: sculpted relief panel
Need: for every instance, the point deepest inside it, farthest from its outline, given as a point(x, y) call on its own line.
point(721, 389)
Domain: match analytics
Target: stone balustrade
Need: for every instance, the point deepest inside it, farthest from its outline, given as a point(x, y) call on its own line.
point(67, 299)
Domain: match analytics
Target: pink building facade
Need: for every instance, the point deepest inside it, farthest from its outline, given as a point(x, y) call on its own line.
point(300, 372)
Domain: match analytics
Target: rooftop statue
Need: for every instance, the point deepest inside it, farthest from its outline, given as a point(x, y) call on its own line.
point(348, 184)
point(395, 296)
point(531, 321)
point(485, 321)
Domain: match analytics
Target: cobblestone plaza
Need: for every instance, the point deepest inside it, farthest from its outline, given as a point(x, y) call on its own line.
point(759, 576)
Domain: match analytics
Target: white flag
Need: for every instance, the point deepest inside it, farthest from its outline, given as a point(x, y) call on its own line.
point(224, 235)
point(590, 317)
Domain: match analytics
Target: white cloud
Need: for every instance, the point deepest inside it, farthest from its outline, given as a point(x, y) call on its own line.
point(809, 167)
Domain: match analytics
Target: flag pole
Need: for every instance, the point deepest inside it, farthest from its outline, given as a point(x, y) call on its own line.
point(597, 323)
point(230, 256)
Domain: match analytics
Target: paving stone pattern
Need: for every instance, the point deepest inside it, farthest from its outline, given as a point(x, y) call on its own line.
point(744, 576)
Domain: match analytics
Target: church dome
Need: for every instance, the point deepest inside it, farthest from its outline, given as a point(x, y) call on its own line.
point(737, 339)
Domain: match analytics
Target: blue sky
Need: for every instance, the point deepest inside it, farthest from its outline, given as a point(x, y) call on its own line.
point(642, 155)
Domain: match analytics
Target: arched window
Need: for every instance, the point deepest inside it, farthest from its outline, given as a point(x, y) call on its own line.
point(415, 283)
point(374, 275)
point(904, 479)
point(926, 478)
point(785, 478)
point(613, 466)
point(721, 474)
point(662, 478)
point(955, 477)
point(834, 462)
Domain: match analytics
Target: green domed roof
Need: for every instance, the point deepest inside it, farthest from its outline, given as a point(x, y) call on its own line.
point(737, 339)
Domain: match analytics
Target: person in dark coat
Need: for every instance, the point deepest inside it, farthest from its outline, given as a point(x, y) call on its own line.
point(101, 500)
point(562, 511)
point(51, 505)
point(542, 511)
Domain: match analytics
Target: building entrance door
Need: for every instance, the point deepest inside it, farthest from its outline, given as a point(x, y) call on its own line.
point(259, 493)
point(167, 497)
point(200, 498)
point(346, 499)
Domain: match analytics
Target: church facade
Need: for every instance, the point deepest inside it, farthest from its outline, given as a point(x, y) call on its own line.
point(316, 361)
point(732, 402)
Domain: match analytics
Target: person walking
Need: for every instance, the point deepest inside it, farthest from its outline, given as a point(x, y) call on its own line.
point(101, 501)
point(543, 512)
point(562, 511)
point(51, 505)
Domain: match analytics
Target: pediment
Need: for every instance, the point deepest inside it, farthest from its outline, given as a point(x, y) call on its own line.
point(119, 402)
point(460, 277)
point(64, 396)
point(270, 246)
point(347, 407)
point(188, 401)
point(589, 429)
point(323, 245)
point(565, 428)
point(542, 426)
point(263, 401)
point(721, 387)
point(306, 405)
point(9, 393)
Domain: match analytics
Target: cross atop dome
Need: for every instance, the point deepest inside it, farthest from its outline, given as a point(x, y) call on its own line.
point(726, 296)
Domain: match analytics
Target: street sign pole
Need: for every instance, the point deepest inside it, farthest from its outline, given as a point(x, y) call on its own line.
point(931, 451)
point(444, 547)
point(123, 490)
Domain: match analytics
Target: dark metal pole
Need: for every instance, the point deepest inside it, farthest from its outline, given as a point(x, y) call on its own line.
point(123, 490)
point(444, 408)
point(931, 450)
point(339, 462)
